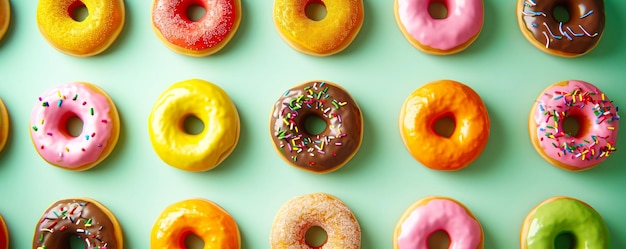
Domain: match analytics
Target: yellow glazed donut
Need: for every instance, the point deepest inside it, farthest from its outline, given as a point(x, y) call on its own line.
point(324, 37)
point(4, 125)
point(205, 101)
point(200, 217)
point(80, 38)
point(323, 210)
point(5, 17)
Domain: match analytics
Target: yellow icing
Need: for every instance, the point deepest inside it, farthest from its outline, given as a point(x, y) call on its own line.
point(86, 38)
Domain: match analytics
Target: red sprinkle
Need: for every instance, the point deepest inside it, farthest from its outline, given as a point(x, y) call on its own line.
point(312, 163)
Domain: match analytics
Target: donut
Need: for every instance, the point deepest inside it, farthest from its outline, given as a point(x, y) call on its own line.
point(200, 217)
point(333, 147)
point(5, 18)
point(450, 35)
point(590, 108)
point(574, 37)
point(48, 122)
point(4, 125)
point(205, 101)
point(4, 234)
point(84, 218)
point(198, 38)
point(431, 214)
point(328, 36)
point(298, 215)
point(444, 99)
point(563, 215)
point(80, 38)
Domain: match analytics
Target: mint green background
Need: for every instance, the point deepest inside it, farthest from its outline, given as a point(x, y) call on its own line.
point(380, 69)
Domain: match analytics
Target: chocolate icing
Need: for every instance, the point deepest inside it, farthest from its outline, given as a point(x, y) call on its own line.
point(569, 37)
point(328, 150)
point(75, 217)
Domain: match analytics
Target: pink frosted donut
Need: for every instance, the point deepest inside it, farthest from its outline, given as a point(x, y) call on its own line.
point(591, 108)
point(49, 132)
point(203, 37)
point(440, 36)
point(432, 214)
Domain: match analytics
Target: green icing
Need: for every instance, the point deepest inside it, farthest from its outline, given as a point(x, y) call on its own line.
point(567, 215)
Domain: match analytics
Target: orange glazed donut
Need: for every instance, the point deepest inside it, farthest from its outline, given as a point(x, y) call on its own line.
point(5, 17)
point(201, 217)
point(328, 36)
point(322, 210)
point(4, 126)
point(444, 99)
point(4, 234)
point(198, 38)
point(80, 38)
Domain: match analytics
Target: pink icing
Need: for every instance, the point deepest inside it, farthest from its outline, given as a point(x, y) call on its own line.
point(48, 125)
point(464, 21)
point(589, 106)
point(440, 214)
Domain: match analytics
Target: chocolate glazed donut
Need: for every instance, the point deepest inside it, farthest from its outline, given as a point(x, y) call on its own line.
point(89, 220)
point(333, 147)
point(575, 37)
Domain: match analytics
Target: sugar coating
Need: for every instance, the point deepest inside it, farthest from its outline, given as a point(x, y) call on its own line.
point(299, 214)
point(207, 32)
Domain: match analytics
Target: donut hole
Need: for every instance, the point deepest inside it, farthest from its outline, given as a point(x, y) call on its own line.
point(192, 241)
point(444, 126)
point(438, 10)
point(74, 126)
point(314, 125)
point(76, 243)
point(565, 240)
point(195, 12)
point(315, 10)
point(78, 11)
point(573, 125)
point(561, 13)
point(315, 236)
point(192, 125)
point(438, 240)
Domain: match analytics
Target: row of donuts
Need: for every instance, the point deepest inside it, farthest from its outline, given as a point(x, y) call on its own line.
point(440, 35)
point(97, 227)
point(341, 138)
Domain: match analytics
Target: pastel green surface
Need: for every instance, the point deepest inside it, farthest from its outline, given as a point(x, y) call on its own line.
point(379, 69)
point(566, 216)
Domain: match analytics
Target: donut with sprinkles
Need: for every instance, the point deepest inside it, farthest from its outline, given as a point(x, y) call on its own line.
point(585, 104)
point(567, 38)
point(84, 218)
point(335, 145)
point(48, 125)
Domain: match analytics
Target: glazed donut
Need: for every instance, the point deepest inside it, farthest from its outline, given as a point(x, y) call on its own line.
point(205, 101)
point(323, 210)
point(440, 36)
point(200, 217)
point(444, 99)
point(431, 214)
point(4, 234)
point(333, 147)
point(84, 218)
point(594, 112)
point(5, 18)
point(575, 37)
point(101, 125)
point(328, 36)
point(203, 37)
point(80, 38)
point(4, 126)
point(559, 215)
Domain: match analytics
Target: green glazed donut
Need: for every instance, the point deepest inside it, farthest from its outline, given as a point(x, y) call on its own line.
point(560, 215)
